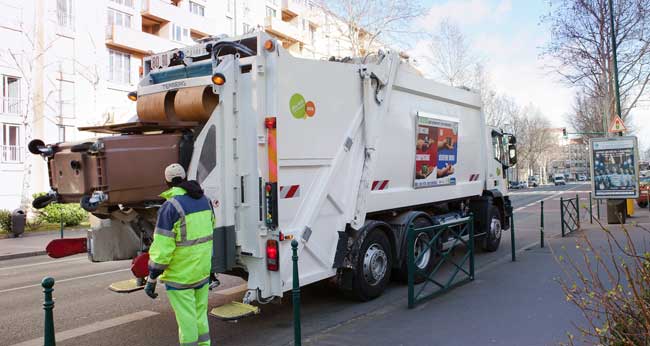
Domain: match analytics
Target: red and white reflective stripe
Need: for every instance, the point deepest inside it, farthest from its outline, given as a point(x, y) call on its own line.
point(474, 177)
point(379, 185)
point(290, 191)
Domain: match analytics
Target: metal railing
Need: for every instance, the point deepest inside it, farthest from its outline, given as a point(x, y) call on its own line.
point(11, 153)
point(460, 232)
point(11, 105)
point(570, 214)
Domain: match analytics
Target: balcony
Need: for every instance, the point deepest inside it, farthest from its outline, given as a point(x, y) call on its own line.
point(292, 8)
point(283, 30)
point(12, 154)
point(164, 12)
point(137, 41)
point(11, 106)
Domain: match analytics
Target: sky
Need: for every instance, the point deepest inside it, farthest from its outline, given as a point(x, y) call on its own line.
point(508, 37)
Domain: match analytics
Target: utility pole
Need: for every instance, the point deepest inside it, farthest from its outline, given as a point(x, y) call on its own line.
point(615, 207)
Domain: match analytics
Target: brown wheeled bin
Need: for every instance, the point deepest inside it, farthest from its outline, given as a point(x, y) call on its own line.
point(127, 169)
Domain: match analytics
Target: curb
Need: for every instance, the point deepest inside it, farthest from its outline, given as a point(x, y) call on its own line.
point(22, 255)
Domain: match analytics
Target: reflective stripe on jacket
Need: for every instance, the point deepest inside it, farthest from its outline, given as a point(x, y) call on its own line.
point(182, 241)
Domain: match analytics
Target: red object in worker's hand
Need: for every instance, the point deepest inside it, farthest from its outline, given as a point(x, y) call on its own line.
point(140, 265)
point(58, 248)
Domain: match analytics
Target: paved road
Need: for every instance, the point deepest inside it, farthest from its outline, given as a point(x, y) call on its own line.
point(92, 315)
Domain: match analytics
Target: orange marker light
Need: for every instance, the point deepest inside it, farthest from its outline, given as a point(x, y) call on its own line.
point(218, 79)
point(268, 45)
point(133, 96)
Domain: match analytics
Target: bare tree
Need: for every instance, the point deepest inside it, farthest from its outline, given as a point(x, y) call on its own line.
point(588, 114)
point(534, 139)
point(451, 58)
point(581, 44)
point(366, 22)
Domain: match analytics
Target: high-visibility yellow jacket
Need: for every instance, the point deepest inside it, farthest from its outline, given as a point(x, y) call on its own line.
point(182, 241)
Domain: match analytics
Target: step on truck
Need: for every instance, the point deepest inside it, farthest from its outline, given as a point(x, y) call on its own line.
point(340, 155)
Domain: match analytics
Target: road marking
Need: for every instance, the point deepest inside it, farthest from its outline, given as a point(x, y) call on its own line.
point(44, 263)
point(65, 280)
point(93, 327)
point(546, 199)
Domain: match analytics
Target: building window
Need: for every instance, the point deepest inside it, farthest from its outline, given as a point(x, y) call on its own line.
point(64, 13)
point(127, 3)
point(272, 2)
point(197, 9)
point(66, 99)
point(11, 102)
point(179, 33)
point(119, 67)
point(271, 12)
point(118, 18)
point(229, 6)
point(246, 28)
point(11, 151)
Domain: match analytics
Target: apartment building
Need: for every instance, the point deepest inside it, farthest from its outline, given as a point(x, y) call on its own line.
point(70, 63)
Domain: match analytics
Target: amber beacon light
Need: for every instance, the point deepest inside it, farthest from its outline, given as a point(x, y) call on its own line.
point(218, 79)
point(133, 96)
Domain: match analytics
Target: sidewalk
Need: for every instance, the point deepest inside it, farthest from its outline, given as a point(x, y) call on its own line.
point(32, 244)
point(514, 304)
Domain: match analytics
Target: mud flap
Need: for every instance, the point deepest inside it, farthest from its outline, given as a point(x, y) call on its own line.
point(234, 311)
point(126, 286)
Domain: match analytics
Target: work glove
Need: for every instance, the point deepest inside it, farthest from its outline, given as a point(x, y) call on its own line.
point(150, 288)
point(214, 282)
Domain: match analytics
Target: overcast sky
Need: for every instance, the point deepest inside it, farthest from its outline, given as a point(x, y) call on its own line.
point(508, 36)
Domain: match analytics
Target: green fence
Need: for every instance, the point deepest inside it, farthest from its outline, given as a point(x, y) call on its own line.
point(428, 241)
point(570, 214)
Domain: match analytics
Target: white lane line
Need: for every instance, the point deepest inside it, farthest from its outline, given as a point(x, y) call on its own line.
point(93, 327)
point(44, 263)
point(65, 280)
point(545, 199)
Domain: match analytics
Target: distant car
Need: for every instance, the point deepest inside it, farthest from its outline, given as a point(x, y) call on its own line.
point(515, 185)
point(582, 177)
point(533, 181)
point(559, 180)
point(644, 189)
point(523, 184)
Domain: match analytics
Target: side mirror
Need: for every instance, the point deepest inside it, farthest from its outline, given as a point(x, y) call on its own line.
point(512, 154)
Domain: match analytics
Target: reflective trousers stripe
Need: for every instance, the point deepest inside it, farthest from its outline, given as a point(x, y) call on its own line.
point(180, 286)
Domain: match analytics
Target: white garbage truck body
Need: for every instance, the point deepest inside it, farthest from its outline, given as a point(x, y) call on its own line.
point(311, 149)
point(340, 155)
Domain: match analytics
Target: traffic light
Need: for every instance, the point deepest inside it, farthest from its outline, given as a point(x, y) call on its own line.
point(564, 132)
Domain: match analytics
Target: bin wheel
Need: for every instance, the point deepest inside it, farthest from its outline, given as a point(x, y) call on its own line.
point(34, 145)
point(86, 205)
point(427, 261)
point(493, 233)
point(373, 267)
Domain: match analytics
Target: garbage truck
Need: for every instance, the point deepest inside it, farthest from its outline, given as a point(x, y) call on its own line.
point(342, 155)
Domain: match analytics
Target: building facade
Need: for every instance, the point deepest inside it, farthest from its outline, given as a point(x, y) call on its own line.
point(70, 63)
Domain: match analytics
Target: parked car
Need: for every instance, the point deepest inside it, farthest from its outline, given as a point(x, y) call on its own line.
point(533, 181)
point(644, 189)
point(523, 184)
point(582, 177)
point(559, 180)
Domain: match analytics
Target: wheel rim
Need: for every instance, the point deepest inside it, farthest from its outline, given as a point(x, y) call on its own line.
point(419, 247)
point(495, 228)
point(375, 264)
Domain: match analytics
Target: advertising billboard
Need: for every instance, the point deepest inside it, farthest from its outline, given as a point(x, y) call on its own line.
point(614, 167)
point(436, 151)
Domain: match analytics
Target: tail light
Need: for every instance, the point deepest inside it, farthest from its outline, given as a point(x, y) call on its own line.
point(272, 255)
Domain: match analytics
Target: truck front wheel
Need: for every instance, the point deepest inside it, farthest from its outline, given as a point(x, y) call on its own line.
point(493, 232)
point(373, 267)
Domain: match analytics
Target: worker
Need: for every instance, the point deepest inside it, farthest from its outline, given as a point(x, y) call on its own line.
point(181, 255)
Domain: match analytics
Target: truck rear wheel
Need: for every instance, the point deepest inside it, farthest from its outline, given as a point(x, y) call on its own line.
point(493, 232)
point(373, 267)
point(420, 246)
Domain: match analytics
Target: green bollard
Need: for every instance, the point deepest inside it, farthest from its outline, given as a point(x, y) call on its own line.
point(296, 295)
point(562, 214)
point(61, 225)
point(598, 208)
point(48, 306)
point(541, 224)
point(577, 212)
point(591, 212)
point(512, 236)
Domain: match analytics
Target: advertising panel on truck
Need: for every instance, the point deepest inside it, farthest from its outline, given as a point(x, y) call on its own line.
point(436, 151)
point(614, 167)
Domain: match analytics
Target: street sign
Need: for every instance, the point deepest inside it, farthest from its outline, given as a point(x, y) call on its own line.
point(614, 167)
point(617, 125)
